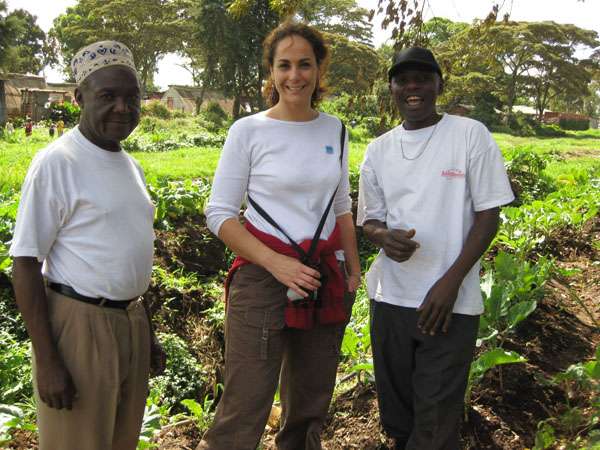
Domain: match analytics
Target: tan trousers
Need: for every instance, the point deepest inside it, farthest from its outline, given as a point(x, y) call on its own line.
point(259, 352)
point(107, 353)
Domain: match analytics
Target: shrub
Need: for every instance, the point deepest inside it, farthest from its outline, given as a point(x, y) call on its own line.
point(183, 375)
point(157, 109)
point(15, 369)
point(176, 199)
point(526, 172)
point(67, 112)
point(574, 124)
point(214, 115)
point(543, 130)
point(148, 124)
point(522, 124)
point(485, 113)
point(18, 122)
point(363, 112)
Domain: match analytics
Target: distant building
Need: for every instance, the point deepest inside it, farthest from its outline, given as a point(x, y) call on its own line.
point(555, 117)
point(524, 109)
point(188, 98)
point(29, 95)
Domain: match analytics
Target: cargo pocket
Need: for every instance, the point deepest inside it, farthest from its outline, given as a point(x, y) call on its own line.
point(254, 334)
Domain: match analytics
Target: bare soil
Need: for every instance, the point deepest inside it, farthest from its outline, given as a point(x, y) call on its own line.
point(509, 402)
point(506, 406)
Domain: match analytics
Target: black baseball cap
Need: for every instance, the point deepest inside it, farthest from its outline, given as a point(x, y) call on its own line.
point(414, 57)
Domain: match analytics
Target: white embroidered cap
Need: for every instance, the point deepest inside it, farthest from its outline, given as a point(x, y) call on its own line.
point(98, 55)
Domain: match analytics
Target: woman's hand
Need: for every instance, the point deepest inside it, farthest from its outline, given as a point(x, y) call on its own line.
point(295, 275)
point(353, 282)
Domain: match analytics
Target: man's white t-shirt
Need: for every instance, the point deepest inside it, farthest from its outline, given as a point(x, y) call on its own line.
point(459, 172)
point(290, 169)
point(85, 212)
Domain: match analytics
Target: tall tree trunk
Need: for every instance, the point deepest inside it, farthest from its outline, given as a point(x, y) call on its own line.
point(236, 106)
point(3, 113)
point(200, 99)
point(260, 100)
point(510, 101)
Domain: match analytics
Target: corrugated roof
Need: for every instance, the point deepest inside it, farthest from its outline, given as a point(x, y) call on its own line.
point(21, 81)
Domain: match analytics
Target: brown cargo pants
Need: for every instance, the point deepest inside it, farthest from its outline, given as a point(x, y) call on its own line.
point(259, 352)
point(107, 353)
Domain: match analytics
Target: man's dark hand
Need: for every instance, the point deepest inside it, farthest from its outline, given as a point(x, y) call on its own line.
point(436, 309)
point(399, 245)
point(55, 385)
point(158, 358)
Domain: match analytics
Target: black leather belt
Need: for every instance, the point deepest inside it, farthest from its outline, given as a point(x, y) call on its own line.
point(72, 293)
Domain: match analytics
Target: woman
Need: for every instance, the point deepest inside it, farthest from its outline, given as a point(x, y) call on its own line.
point(289, 162)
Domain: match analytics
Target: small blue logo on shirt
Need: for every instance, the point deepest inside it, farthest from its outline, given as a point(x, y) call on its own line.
point(329, 149)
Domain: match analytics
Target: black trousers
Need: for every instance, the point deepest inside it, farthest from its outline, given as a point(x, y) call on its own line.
point(421, 379)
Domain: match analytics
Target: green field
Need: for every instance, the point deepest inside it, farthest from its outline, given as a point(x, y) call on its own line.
point(558, 182)
point(581, 150)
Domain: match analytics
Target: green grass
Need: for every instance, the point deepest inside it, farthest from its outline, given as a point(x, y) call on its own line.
point(577, 143)
point(179, 164)
point(581, 150)
point(16, 154)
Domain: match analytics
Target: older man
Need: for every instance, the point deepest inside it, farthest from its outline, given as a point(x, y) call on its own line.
point(430, 192)
point(82, 250)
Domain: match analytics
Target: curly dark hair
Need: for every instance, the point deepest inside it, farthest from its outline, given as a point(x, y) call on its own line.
point(320, 49)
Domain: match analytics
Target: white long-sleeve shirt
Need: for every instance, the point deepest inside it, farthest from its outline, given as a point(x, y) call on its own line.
point(289, 168)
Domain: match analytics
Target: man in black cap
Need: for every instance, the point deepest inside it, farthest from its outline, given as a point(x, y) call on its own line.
point(429, 198)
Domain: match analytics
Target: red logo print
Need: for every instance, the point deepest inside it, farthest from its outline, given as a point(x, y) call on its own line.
point(453, 173)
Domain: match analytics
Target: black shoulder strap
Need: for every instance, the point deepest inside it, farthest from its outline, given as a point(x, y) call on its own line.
point(315, 240)
point(265, 215)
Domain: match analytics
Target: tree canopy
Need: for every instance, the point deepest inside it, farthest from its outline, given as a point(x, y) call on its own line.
point(532, 61)
point(23, 44)
point(150, 29)
point(226, 51)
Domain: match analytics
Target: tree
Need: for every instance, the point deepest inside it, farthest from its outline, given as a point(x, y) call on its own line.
point(435, 32)
point(531, 61)
point(28, 51)
point(556, 71)
point(343, 17)
point(354, 67)
point(231, 43)
point(230, 49)
point(150, 29)
point(9, 29)
point(23, 44)
point(405, 17)
point(340, 17)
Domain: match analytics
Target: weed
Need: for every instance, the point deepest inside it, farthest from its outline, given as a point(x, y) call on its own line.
point(183, 377)
point(202, 414)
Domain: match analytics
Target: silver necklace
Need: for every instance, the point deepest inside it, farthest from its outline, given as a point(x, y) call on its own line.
point(423, 147)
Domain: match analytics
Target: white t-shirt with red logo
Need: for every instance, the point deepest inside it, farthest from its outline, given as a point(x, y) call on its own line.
point(447, 172)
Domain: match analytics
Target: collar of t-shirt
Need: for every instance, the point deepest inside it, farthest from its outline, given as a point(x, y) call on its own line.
point(86, 145)
point(421, 132)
